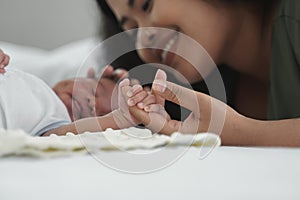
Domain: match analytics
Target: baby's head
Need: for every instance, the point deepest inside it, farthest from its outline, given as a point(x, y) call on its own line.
point(86, 97)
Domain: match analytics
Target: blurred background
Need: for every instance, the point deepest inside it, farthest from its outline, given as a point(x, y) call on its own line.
point(48, 24)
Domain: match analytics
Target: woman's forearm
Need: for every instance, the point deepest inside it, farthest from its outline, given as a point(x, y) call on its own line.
point(245, 131)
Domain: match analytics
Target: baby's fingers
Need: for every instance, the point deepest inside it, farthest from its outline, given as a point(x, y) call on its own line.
point(150, 99)
point(6, 60)
point(137, 98)
point(134, 90)
point(157, 108)
point(1, 55)
point(3, 63)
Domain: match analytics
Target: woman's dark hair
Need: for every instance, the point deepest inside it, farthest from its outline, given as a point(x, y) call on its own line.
point(110, 27)
point(109, 21)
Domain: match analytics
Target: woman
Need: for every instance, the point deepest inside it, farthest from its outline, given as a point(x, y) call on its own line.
point(110, 27)
point(259, 39)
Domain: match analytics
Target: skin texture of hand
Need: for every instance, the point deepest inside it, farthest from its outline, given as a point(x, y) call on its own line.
point(4, 60)
point(211, 115)
point(201, 106)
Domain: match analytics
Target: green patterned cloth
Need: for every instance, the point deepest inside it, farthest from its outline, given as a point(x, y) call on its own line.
point(284, 94)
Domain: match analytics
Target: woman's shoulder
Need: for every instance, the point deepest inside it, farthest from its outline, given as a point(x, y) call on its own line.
point(289, 9)
point(287, 25)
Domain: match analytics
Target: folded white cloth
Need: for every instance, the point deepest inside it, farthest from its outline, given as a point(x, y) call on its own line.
point(17, 142)
point(27, 103)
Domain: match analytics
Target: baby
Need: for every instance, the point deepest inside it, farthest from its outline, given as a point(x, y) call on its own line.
point(4, 60)
point(28, 103)
point(86, 97)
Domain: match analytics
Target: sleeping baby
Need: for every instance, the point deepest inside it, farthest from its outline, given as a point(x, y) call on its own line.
point(27, 103)
point(86, 97)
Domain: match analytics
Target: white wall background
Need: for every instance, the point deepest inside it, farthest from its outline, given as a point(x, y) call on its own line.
point(47, 23)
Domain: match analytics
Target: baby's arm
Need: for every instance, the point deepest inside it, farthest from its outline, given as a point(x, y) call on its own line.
point(118, 119)
point(4, 60)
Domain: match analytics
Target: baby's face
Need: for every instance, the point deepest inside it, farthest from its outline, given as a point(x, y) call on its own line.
point(85, 97)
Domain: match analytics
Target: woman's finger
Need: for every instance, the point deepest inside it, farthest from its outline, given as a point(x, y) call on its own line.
point(175, 93)
point(161, 76)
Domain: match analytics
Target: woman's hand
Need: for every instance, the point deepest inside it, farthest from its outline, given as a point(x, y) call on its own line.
point(4, 60)
point(207, 113)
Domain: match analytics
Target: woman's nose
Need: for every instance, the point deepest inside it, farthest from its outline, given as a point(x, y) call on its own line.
point(146, 36)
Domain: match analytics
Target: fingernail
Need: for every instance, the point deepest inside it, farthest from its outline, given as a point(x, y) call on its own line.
point(129, 93)
point(122, 81)
point(130, 102)
point(140, 105)
point(1, 66)
point(159, 86)
point(147, 108)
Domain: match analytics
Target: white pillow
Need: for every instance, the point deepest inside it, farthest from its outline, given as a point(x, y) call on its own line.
point(54, 65)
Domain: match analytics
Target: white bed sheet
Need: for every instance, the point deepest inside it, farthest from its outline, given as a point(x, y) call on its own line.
point(228, 173)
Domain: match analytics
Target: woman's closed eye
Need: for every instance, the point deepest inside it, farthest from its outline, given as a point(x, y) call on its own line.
point(147, 6)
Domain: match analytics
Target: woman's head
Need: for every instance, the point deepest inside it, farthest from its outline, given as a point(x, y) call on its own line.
point(202, 21)
point(214, 24)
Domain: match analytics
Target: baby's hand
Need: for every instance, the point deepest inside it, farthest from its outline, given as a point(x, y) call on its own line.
point(4, 60)
point(142, 98)
point(148, 108)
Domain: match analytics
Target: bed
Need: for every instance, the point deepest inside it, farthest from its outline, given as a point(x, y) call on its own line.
point(226, 173)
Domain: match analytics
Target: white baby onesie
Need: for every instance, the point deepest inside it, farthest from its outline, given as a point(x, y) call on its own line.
point(27, 103)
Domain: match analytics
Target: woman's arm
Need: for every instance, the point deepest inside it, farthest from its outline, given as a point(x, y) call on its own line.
point(250, 132)
point(211, 115)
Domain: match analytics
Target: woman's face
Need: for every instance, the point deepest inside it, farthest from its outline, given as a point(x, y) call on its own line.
point(195, 18)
